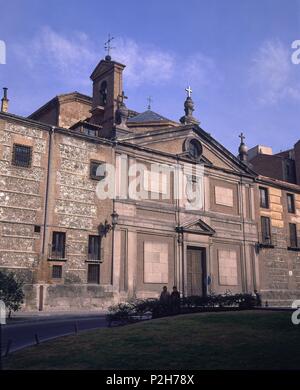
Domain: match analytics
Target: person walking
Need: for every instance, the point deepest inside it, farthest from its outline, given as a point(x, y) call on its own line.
point(165, 301)
point(175, 301)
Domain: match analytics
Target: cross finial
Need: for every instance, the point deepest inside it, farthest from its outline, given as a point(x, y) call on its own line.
point(108, 47)
point(189, 91)
point(149, 99)
point(242, 137)
point(122, 97)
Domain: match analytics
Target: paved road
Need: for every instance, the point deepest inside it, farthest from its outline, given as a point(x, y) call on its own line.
point(23, 334)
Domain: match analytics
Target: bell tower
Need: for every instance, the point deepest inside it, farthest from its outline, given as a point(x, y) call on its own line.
point(107, 87)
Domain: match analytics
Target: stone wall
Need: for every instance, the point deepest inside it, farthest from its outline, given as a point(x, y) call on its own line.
point(279, 266)
point(22, 194)
point(72, 207)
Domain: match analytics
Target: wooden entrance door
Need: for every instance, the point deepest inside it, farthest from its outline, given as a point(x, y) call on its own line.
point(196, 271)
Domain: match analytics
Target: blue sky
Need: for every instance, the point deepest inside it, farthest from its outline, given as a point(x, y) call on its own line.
point(235, 54)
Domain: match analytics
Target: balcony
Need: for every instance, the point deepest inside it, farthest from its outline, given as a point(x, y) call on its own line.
point(56, 254)
point(266, 241)
point(95, 257)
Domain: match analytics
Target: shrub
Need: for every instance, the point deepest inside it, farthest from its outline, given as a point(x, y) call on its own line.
point(138, 309)
point(11, 292)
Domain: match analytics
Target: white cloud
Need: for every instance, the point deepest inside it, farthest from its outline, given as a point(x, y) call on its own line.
point(200, 69)
point(73, 57)
point(70, 58)
point(144, 64)
point(272, 73)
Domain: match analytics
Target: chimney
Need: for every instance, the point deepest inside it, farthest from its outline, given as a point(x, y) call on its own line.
point(4, 101)
point(107, 88)
point(297, 161)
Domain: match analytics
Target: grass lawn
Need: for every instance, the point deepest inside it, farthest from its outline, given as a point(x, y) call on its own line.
point(232, 340)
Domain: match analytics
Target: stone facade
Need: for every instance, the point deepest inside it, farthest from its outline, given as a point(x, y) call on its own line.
point(52, 218)
point(279, 262)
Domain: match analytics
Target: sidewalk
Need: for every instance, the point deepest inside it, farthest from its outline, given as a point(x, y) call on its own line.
point(40, 316)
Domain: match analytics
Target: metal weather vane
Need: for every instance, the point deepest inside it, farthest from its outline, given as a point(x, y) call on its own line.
point(108, 47)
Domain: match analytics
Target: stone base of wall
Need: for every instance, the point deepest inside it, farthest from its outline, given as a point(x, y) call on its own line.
point(279, 298)
point(78, 297)
point(68, 297)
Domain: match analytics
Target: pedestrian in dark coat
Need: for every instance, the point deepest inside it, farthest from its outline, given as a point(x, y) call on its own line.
point(164, 300)
point(175, 301)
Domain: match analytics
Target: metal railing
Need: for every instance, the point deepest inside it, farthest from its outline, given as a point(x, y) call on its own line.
point(54, 254)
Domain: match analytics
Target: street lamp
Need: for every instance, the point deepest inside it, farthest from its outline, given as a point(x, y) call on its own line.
point(106, 227)
point(114, 219)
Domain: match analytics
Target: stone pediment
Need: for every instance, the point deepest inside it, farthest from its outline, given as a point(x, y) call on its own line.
point(173, 141)
point(196, 227)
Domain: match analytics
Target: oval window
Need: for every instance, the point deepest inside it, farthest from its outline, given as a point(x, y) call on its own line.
point(195, 149)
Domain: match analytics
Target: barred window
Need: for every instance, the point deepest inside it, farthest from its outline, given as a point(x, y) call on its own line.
point(22, 155)
point(94, 248)
point(56, 272)
point(93, 273)
point(293, 235)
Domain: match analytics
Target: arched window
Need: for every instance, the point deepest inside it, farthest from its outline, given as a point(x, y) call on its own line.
point(103, 93)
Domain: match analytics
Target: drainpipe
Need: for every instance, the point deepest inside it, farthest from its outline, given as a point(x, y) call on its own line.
point(41, 287)
point(51, 132)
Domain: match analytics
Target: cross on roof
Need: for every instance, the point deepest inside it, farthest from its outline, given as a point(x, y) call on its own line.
point(107, 45)
point(242, 137)
point(189, 91)
point(150, 100)
point(122, 97)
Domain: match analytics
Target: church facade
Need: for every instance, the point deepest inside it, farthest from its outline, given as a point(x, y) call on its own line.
point(100, 204)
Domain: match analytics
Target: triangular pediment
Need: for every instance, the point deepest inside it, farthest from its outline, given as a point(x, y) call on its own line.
point(196, 227)
point(172, 141)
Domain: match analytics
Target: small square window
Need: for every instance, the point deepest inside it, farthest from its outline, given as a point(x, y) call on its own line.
point(37, 229)
point(21, 155)
point(95, 173)
point(56, 272)
point(264, 197)
point(291, 203)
